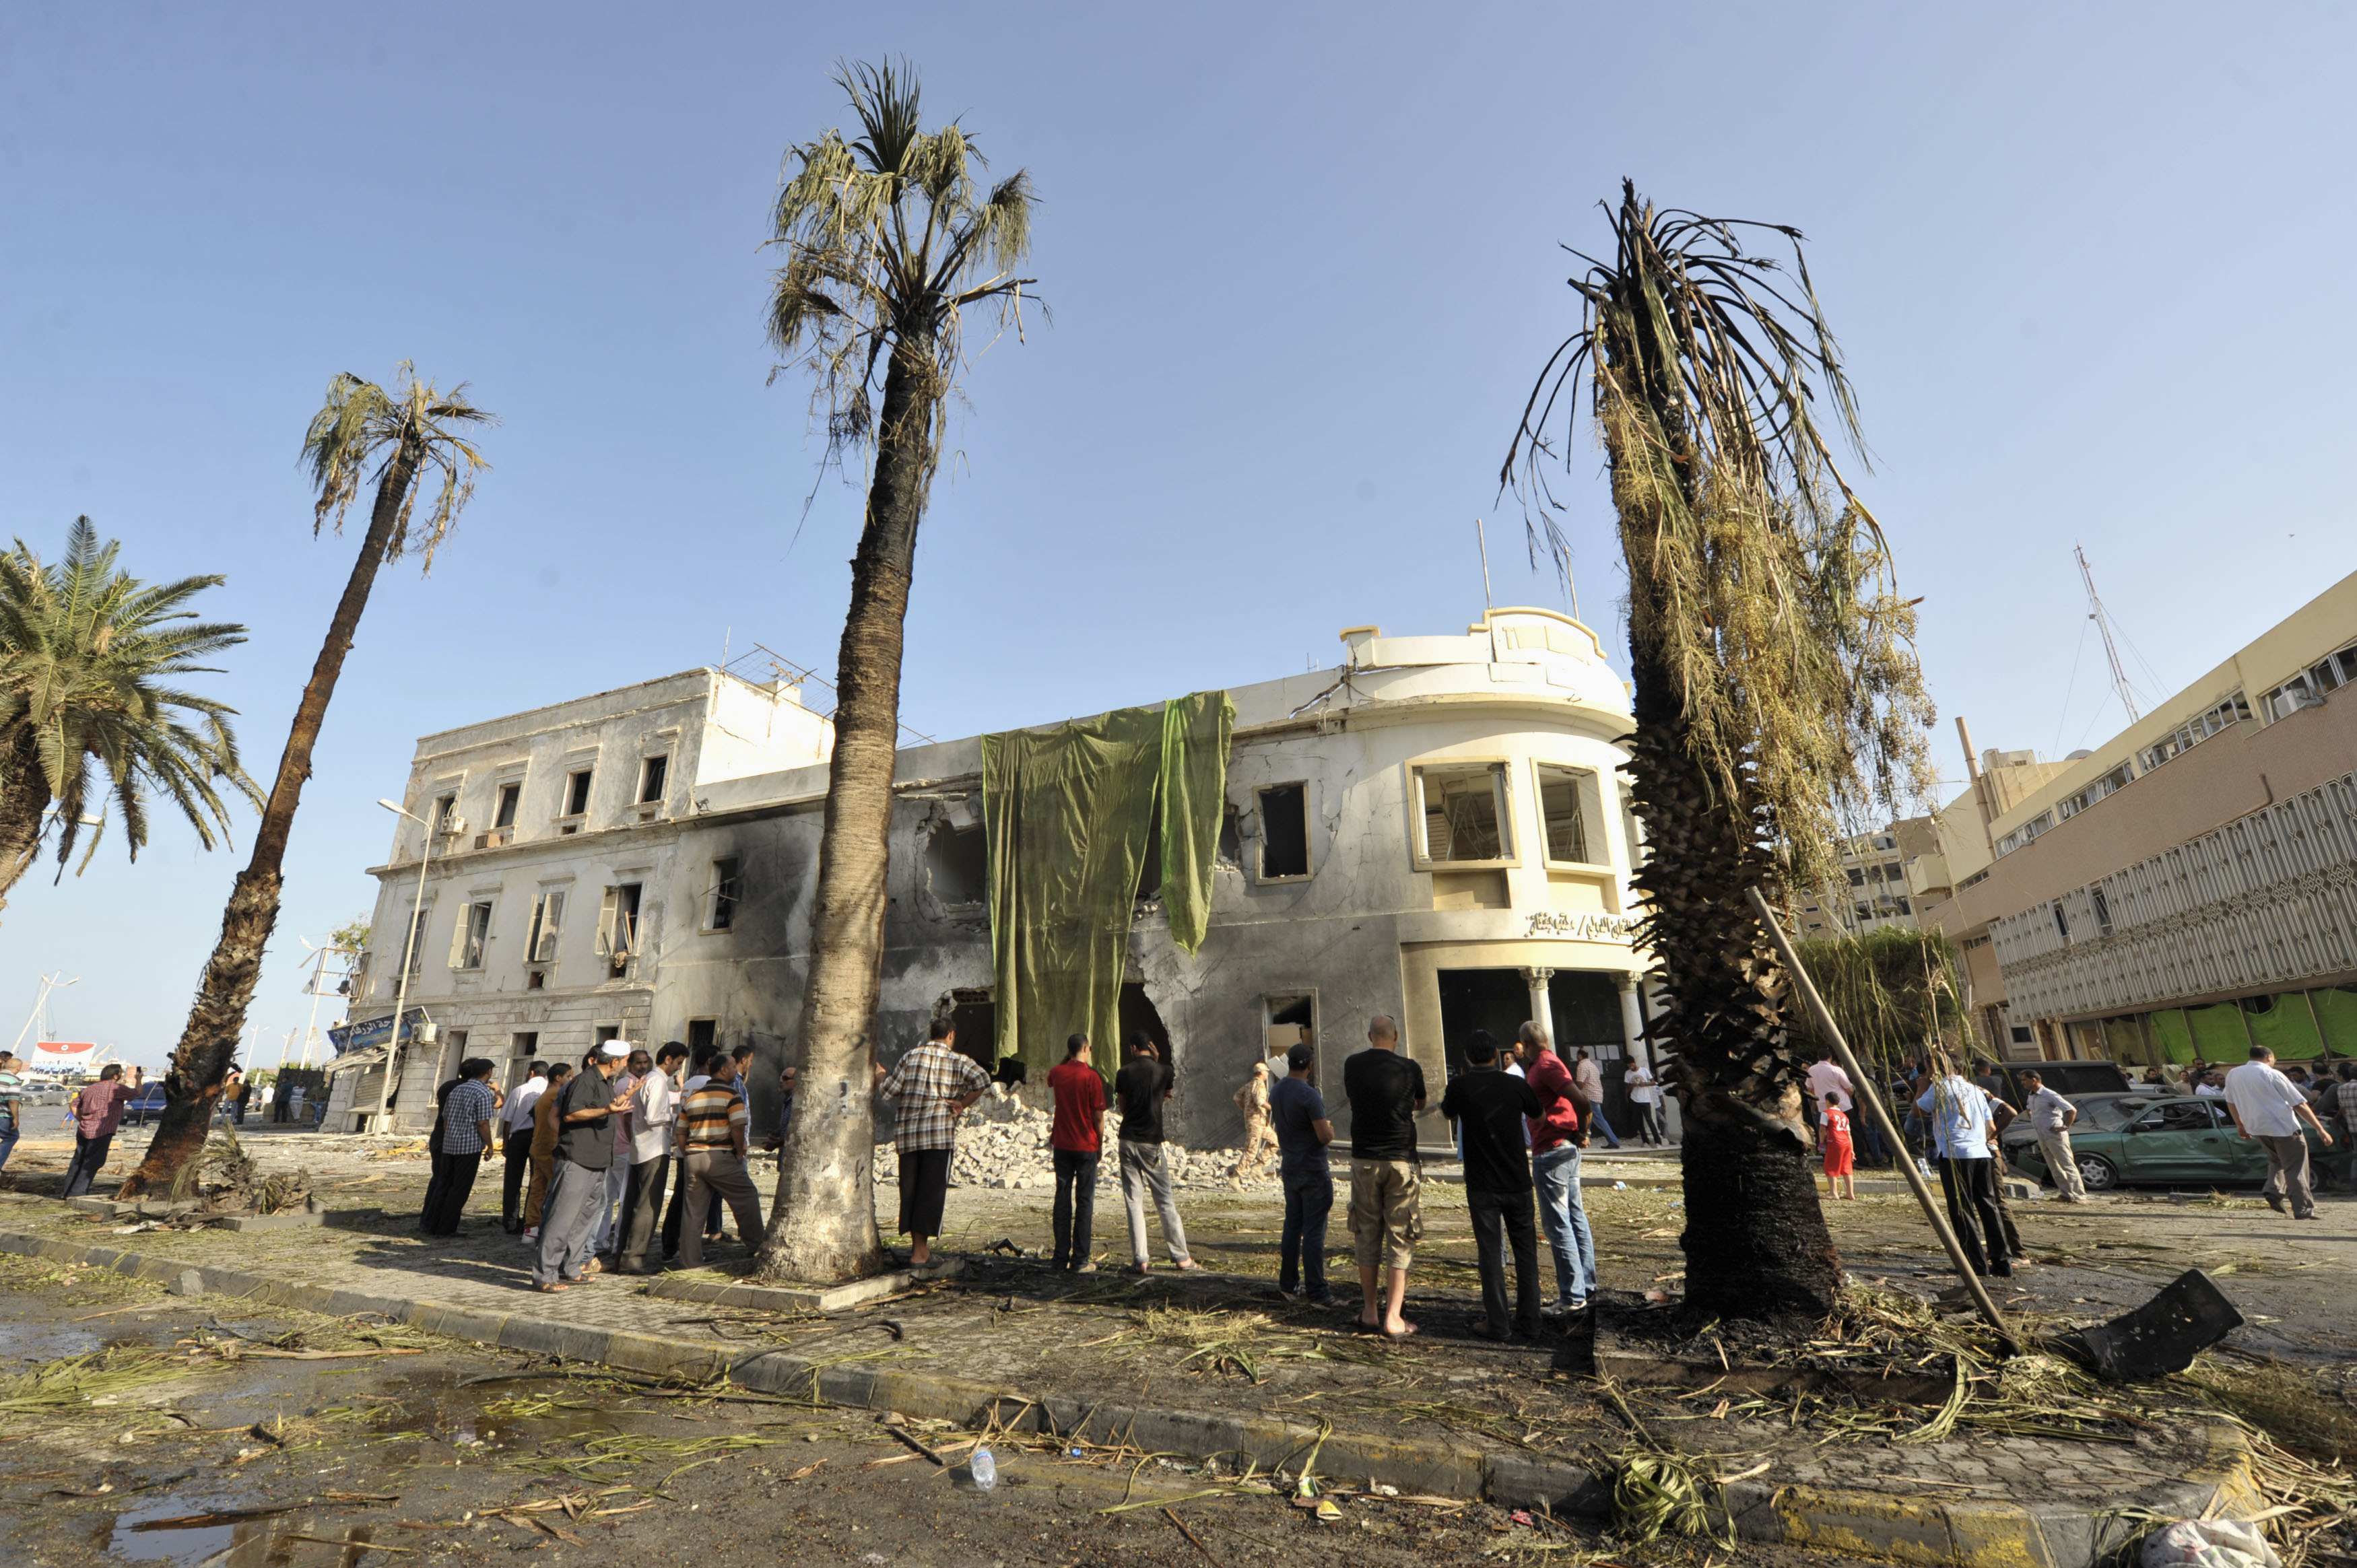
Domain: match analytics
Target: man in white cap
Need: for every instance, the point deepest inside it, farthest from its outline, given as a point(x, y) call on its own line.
point(584, 1152)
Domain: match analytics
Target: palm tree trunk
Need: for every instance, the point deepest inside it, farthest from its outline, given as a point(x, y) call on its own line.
point(209, 1043)
point(1754, 1241)
point(822, 1225)
point(22, 801)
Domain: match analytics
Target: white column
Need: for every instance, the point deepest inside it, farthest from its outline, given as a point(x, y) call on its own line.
point(1541, 1008)
point(1632, 1021)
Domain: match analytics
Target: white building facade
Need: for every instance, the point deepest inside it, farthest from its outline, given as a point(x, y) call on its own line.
point(1436, 829)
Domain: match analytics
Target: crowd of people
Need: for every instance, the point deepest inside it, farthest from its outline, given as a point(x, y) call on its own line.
point(590, 1151)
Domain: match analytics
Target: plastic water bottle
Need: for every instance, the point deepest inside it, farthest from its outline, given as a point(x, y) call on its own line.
point(984, 1469)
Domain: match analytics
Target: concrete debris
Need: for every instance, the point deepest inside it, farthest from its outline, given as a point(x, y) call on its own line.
point(1003, 1143)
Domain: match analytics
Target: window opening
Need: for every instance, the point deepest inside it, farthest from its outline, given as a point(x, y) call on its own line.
point(701, 1033)
point(547, 923)
point(576, 792)
point(1563, 809)
point(1284, 830)
point(504, 816)
point(652, 773)
point(618, 927)
point(1463, 809)
point(417, 943)
point(474, 930)
point(727, 889)
point(1291, 1020)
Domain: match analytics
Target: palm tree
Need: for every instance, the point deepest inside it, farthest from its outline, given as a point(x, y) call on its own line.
point(85, 650)
point(1777, 695)
point(887, 239)
point(410, 432)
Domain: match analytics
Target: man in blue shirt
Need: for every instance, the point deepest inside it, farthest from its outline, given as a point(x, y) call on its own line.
point(1299, 1113)
point(1963, 1132)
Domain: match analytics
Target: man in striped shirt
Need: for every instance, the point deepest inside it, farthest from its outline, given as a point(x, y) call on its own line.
point(712, 1120)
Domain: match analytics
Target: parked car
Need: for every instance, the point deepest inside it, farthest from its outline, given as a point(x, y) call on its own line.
point(144, 1106)
point(2164, 1140)
point(2068, 1079)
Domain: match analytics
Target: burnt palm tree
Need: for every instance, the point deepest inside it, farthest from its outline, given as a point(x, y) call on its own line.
point(398, 437)
point(90, 657)
point(888, 239)
point(1777, 695)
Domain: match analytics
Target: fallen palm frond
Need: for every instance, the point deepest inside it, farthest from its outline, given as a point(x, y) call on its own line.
point(1658, 1488)
point(633, 1450)
point(74, 1383)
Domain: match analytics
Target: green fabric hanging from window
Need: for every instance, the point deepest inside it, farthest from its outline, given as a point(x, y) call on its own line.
point(1068, 810)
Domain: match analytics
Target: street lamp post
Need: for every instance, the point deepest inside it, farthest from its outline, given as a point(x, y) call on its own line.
point(400, 996)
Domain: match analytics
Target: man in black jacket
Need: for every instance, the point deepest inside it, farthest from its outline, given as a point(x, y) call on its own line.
point(1487, 1105)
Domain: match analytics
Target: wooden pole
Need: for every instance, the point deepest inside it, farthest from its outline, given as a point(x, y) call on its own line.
point(1863, 1090)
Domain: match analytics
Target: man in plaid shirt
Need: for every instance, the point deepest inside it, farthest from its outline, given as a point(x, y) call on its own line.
point(465, 1132)
point(930, 1089)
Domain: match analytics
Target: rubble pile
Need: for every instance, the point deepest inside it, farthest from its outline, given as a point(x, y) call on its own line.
point(1003, 1143)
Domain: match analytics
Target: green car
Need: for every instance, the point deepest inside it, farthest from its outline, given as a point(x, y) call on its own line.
point(2163, 1140)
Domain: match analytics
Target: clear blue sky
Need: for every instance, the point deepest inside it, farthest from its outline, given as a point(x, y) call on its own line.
point(2090, 265)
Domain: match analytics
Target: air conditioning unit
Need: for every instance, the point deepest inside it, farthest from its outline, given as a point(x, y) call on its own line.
point(453, 827)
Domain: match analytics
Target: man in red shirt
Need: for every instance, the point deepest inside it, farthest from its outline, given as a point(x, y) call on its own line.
point(1555, 1139)
point(1077, 1136)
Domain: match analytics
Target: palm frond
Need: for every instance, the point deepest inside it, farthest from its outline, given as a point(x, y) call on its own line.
point(87, 652)
point(887, 235)
point(1717, 390)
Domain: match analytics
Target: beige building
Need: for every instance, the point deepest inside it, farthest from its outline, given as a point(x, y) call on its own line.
point(2188, 888)
point(1434, 827)
point(1886, 877)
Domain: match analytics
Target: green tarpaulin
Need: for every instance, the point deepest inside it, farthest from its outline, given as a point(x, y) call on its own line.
point(1069, 811)
point(2286, 1027)
point(2176, 1037)
point(2336, 1008)
point(2218, 1032)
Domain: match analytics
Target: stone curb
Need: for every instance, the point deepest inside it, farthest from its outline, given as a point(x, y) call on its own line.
point(776, 1298)
point(1941, 1533)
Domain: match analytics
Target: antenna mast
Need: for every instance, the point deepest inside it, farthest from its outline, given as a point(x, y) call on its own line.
point(2102, 618)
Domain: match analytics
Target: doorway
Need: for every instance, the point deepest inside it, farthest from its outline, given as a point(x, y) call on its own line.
point(1498, 1000)
point(1586, 1008)
point(974, 1016)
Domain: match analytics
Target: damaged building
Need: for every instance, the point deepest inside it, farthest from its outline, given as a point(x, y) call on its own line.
point(1436, 828)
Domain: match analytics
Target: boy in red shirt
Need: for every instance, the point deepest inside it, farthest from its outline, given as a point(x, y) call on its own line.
point(1078, 1139)
point(1840, 1160)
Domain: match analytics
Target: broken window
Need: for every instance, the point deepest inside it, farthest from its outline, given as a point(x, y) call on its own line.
point(445, 813)
point(617, 925)
point(1284, 830)
point(416, 954)
point(957, 865)
point(1563, 810)
point(547, 923)
point(1291, 1020)
point(576, 792)
point(1462, 810)
point(728, 889)
point(472, 932)
point(504, 815)
point(702, 1033)
point(652, 774)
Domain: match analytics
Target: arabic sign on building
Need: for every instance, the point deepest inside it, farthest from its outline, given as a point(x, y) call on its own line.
point(374, 1031)
point(1587, 926)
